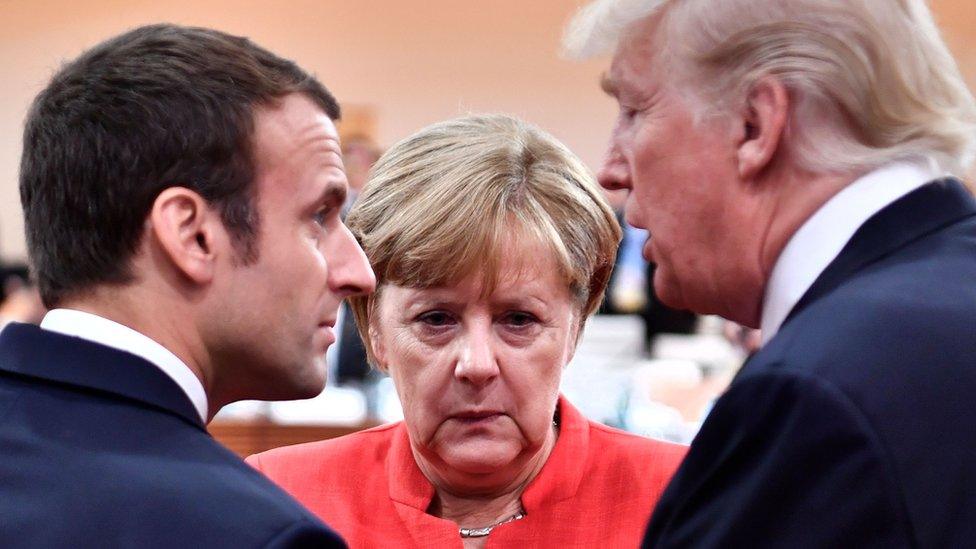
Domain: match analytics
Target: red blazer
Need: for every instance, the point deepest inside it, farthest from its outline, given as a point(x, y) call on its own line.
point(596, 490)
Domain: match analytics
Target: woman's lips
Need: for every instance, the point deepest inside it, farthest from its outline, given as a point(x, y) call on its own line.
point(474, 418)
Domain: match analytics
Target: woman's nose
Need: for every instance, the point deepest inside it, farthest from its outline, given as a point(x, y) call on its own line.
point(477, 363)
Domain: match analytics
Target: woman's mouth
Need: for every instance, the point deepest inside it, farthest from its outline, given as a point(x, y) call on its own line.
point(477, 417)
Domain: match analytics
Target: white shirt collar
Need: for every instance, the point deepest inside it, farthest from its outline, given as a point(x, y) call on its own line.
point(821, 238)
point(112, 334)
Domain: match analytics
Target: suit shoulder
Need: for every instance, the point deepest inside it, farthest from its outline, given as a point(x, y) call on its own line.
point(891, 317)
point(231, 501)
point(165, 468)
point(209, 475)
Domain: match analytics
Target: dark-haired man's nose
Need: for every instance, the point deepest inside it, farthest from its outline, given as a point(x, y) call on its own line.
point(349, 270)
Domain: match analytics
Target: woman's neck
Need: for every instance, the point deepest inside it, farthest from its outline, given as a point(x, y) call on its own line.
point(476, 512)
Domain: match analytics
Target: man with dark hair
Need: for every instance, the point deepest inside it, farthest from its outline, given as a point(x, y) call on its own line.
point(181, 190)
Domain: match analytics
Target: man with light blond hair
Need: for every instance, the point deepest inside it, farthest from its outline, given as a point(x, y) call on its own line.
point(793, 162)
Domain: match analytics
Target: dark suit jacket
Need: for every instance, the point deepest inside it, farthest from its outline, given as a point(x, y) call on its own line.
point(854, 426)
point(99, 448)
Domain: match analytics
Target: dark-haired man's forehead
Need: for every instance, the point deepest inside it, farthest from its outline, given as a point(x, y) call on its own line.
point(297, 117)
point(295, 127)
point(297, 151)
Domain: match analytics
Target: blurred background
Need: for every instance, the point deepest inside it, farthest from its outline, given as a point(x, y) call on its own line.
point(395, 67)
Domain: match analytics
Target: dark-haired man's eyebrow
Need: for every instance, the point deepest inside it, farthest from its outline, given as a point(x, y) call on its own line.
point(334, 194)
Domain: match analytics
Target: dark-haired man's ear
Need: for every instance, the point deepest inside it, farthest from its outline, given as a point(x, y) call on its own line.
point(763, 123)
point(186, 229)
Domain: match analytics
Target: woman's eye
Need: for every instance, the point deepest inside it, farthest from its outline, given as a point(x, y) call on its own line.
point(520, 318)
point(435, 318)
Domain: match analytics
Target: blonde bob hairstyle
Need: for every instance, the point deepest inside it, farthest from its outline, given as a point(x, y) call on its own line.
point(453, 198)
point(871, 81)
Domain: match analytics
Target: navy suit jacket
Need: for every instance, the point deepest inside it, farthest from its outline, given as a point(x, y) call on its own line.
point(99, 448)
point(854, 426)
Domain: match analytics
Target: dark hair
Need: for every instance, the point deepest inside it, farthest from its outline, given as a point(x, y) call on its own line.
point(156, 107)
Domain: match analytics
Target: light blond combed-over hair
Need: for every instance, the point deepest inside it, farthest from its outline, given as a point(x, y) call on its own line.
point(452, 199)
point(871, 80)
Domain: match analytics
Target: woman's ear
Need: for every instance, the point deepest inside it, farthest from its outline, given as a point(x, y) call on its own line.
point(379, 350)
point(573, 341)
point(187, 231)
point(763, 124)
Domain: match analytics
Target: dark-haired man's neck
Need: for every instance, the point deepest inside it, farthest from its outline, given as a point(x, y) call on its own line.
point(154, 316)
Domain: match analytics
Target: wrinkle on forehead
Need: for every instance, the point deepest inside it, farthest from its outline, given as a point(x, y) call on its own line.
point(297, 149)
point(531, 274)
point(644, 65)
point(645, 40)
point(297, 122)
point(322, 147)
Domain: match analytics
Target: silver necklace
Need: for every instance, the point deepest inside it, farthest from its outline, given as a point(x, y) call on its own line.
point(485, 530)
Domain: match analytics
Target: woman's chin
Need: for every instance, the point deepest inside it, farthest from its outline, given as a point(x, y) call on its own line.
point(480, 457)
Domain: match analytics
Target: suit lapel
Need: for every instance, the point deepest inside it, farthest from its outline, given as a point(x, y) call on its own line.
point(920, 212)
point(30, 351)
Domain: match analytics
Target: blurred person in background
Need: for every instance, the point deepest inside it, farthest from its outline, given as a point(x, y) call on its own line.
point(19, 301)
point(359, 153)
point(791, 161)
point(747, 340)
point(631, 288)
point(492, 245)
point(181, 191)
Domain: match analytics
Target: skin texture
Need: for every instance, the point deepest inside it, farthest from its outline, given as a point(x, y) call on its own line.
point(257, 330)
point(284, 305)
point(478, 377)
point(719, 196)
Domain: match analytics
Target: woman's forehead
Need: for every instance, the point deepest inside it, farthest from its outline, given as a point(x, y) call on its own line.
point(489, 255)
point(503, 276)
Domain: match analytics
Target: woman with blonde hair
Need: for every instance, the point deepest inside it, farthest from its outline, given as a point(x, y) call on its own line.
point(491, 244)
